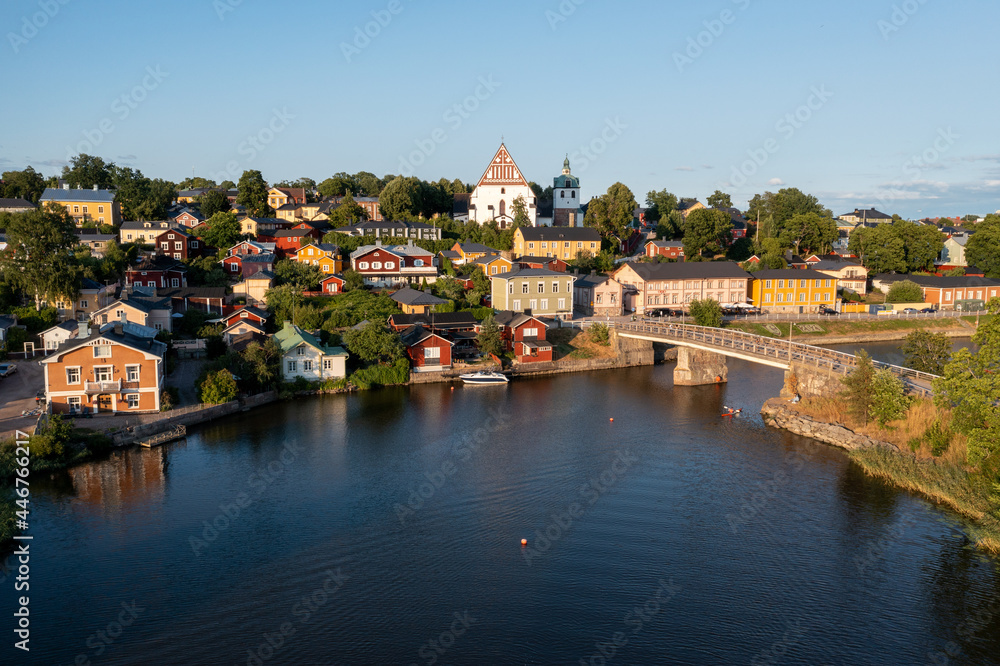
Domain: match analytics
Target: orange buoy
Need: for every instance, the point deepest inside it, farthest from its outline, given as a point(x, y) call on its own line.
point(452, 388)
point(524, 542)
point(612, 420)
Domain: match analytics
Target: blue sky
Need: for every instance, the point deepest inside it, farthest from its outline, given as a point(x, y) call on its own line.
point(862, 103)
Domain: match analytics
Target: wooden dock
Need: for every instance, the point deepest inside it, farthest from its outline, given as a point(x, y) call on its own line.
point(162, 437)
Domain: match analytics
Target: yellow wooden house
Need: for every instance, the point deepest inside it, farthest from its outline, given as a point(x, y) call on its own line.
point(324, 256)
point(793, 290)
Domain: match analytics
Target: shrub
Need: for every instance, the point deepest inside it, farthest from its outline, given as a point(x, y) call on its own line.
point(599, 334)
point(905, 291)
point(706, 312)
point(939, 439)
point(170, 398)
point(218, 388)
point(382, 375)
point(888, 397)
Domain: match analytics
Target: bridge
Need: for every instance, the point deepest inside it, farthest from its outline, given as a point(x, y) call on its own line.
point(702, 352)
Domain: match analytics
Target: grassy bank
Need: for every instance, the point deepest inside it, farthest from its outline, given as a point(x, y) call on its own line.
point(970, 493)
point(937, 469)
point(830, 327)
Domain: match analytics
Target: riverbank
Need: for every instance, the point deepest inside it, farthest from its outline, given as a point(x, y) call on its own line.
point(942, 480)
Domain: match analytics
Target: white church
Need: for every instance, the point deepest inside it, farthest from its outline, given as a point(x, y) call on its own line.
point(502, 182)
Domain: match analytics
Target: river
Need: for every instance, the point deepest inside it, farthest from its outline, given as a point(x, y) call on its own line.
point(385, 528)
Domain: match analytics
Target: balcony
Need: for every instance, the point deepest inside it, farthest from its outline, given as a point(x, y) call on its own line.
point(103, 387)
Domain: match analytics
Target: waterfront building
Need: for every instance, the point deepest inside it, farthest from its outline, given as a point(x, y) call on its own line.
point(524, 335)
point(946, 293)
point(539, 292)
point(675, 284)
point(793, 290)
point(302, 355)
point(118, 369)
point(598, 295)
point(427, 351)
point(332, 284)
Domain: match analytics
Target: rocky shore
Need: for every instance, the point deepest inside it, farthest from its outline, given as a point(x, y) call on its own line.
point(781, 413)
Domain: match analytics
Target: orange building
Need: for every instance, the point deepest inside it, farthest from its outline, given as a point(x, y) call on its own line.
point(119, 369)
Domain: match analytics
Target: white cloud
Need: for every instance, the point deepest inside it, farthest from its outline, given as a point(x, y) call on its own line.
point(775, 181)
point(684, 168)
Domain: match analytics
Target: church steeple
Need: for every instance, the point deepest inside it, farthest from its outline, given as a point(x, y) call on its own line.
point(566, 170)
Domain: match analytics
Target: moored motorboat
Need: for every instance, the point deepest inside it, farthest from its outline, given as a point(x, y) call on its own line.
point(484, 378)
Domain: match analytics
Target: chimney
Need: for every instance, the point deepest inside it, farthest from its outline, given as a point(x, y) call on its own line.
point(124, 318)
point(788, 255)
point(410, 242)
point(95, 187)
point(65, 185)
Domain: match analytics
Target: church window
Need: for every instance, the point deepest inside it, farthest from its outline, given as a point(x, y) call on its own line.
point(503, 207)
point(562, 195)
point(503, 190)
point(572, 194)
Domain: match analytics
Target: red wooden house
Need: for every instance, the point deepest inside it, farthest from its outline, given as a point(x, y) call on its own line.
point(668, 249)
point(332, 284)
point(428, 351)
point(160, 273)
point(178, 244)
point(246, 313)
point(525, 336)
point(245, 265)
point(289, 241)
point(544, 263)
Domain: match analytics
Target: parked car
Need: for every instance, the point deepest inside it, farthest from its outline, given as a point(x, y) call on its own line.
point(928, 310)
point(910, 311)
point(7, 369)
point(658, 312)
point(828, 311)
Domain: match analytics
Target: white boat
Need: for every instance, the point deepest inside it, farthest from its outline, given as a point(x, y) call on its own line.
point(484, 378)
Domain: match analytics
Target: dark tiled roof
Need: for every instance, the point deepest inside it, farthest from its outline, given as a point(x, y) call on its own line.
point(790, 274)
point(691, 270)
point(440, 320)
point(409, 296)
point(507, 318)
point(16, 203)
point(528, 272)
point(461, 205)
point(416, 334)
point(97, 196)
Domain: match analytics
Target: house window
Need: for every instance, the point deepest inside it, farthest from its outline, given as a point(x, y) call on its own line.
point(307, 366)
point(593, 245)
point(418, 262)
point(432, 353)
point(83, 304)
point(158, 326)
point(816, 296)
point(555, 287)
point(767, 298)
point(510, 287)
point(76, 209)
point(102, 351)
point(300, 351)
point(802, 284)
point(73, 375)
point(780, 296)
point(533, 304)
point(541, 287)
point(781, 284)
point(131, 373)
point(562, 195)
point(545, 304)
point(100, 209)
point(102, 373)
point(133, 400)
point(562, 303)
point(177, 255)
point(802, 297)
point(291, 366)
point(826, 283)
point(530, 333)
point(178, 245)
point(598, 299)
point(328, 364)
point(174, 282)
point(531, 246)
point(516, 306)
point(376, 265)
point(128, 236)
point(363, 265)
point(524, 288)
point(74, 404)
point(390, 265)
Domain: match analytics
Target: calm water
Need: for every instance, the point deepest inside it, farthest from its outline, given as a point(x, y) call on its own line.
point(689, 538)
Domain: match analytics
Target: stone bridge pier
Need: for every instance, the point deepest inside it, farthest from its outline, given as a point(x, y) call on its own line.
point(697, 367)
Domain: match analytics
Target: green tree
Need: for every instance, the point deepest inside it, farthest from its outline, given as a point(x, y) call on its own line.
point(888, 398)
point(374, 342)
point(214, 201)
point(706, 312)
point(880, 249)
point(28, 185)
point(923, 244)
point(222, 231)
point(141, 198)
point(300, 275)
point(719, 199)
point(353, 280)
point(926, 351)
point(489, 339)
point(402, 198)
point(706, 232)
point(196, 183)
point(612, 214)
point(348, 212)
point(905, 291)
point(282, 301)
point(338, 185)
point(981, 248)
point(660, 204)
point(261, 364)
point(84, 171)
point(809, 233)
point(219, 387)
point(481, 285)
point(858, 387)
point(599, 334)
point(777, 208)
point(38, 260)
point(970, 387)
point(520, 210)
point(253, 194)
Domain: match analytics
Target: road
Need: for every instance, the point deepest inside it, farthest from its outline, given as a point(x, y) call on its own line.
point(17, 393)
